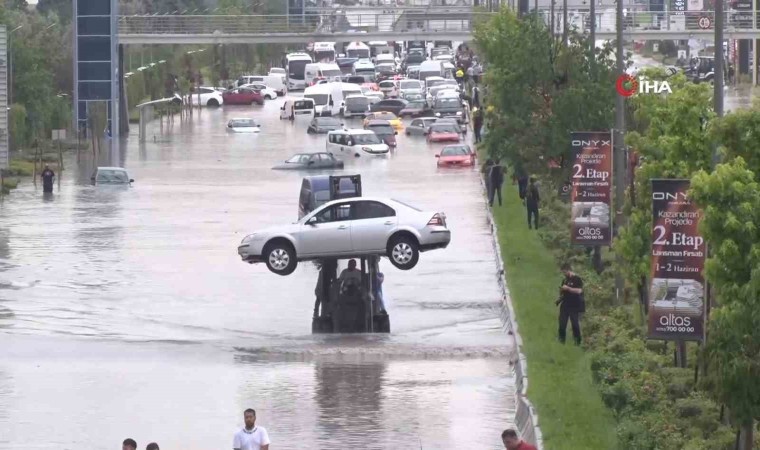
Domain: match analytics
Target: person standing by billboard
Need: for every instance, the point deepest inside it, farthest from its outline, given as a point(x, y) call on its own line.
point(570, 304)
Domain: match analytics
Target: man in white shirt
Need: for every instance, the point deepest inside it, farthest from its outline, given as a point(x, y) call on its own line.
point(251, 437)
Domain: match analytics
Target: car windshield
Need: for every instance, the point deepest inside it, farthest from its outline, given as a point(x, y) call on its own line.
point(366, 139)
point(410, 84)
point(300, 104)
point(112, 176)
point(243, 123)
point(301, 158)
point(331, 73)
point(385, 116)
point(319, 99)
point(385, 68)
point(455, 151)
point(431, 83)
point(416, 105)
point(443, 128)
point(328, 122)
point(447, 103)
point(387, 84)
point(381, 130)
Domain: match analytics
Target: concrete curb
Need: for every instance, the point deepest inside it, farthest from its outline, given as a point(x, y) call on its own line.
point(526, 417)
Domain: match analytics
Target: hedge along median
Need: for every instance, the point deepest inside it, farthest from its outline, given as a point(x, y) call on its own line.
point(618, 391)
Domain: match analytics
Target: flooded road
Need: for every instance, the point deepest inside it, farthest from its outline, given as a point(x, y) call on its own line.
point(126, 312)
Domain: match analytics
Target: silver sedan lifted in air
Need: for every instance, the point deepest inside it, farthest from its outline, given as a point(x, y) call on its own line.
point(350, 227)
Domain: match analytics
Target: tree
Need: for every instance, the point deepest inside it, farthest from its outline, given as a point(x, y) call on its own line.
point(541, 90)
point(730, 197)
point(672, 137)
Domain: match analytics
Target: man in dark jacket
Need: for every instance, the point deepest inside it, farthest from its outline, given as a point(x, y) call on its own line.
point(477, 123)
point(531, 202)
point(495, 179)
point(47, 179)
point(571, 304)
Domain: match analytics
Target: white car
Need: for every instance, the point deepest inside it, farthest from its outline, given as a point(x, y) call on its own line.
point(346, 228)
point(350, 142)
point(266, 91)
point(243, 125)
point(208, 97)
point(374, 96)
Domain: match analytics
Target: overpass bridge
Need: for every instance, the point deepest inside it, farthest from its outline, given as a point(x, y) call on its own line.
point(455, 24)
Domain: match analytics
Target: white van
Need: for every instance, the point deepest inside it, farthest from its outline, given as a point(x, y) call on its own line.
point(365, 68)
point(327, 71)
point(431, 69)
point(297, 107)
point(339, 93)
point(354, 142)
point(385, 58)
point(321, 95)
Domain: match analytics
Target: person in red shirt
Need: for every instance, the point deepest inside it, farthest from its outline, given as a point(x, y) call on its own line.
point(512, 442)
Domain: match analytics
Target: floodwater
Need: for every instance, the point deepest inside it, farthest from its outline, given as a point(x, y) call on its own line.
point(126, 312)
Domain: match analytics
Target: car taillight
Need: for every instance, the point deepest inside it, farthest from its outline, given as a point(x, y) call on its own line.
point(438, 219)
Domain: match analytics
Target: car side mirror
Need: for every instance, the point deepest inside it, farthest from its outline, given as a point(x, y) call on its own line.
point(131, 180)
point(396, 133)
point(437, 155)
point(311, 162)
point(312, 221)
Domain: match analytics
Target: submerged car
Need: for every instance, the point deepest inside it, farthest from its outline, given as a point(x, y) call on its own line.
point(384, 115)
point(243, 125)
point(456, 155)
point(322, 124)
point(309, 161)
point(414, 109)
point(443, 132)
point(383, 130)
point(349, 227)
point(111, 175)
point(419, 126)
point(242, 96)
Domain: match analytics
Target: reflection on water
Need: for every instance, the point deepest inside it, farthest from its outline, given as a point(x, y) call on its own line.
point(98, 285)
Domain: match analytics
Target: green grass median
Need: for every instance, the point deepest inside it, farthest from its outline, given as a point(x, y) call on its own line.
point(571, 413)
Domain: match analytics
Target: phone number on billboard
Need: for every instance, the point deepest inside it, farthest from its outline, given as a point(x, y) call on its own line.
point(680, 329)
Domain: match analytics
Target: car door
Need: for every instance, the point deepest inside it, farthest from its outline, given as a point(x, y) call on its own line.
point(417, 127)
point(373, 222)
point(329, 235)
point(314, 162)
point(326, 161)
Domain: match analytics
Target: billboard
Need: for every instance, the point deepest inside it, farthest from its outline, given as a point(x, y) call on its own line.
point(677, 290)
point(591, 188)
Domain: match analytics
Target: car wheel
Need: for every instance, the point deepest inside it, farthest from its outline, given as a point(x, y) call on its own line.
point(404, 252)
point(213, 103)
point(269, 97)
point(280, 257)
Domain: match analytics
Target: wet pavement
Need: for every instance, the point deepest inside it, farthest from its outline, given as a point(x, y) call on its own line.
point(126, 312)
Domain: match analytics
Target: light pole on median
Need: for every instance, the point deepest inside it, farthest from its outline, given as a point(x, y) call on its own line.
point(10, 64)
point(619, 146)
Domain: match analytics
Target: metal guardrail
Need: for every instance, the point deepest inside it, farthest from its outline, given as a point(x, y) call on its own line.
point(283, 24)
point(526, 417)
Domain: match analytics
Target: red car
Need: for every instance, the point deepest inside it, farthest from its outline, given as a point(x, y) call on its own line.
point(242, 96)
point(456, 156)
point(443, 132)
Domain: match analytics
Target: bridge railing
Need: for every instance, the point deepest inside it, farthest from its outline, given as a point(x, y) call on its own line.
point(644, 20)
point(283, 24)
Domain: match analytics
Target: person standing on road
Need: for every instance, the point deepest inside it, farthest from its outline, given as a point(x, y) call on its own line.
point(512, 442)
point(477, 123)
point(251, 437)
point(129, 444)
point(570, 304)
point(496, 178)
point(531, 202)
point(47, 179)
point(486, 175)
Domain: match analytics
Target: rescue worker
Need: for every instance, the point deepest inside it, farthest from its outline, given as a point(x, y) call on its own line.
point(459, 76)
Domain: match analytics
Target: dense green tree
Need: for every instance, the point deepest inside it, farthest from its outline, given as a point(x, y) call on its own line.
point(730, 197)
point(541, 90)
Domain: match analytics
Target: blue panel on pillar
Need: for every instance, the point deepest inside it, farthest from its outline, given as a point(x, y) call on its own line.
point(93, 7)
point(94, 90)
point(93, 48)
point(100, 26)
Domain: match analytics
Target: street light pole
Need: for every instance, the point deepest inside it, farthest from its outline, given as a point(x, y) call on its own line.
point(10, 65)
point(718, 75)
point(619, 148)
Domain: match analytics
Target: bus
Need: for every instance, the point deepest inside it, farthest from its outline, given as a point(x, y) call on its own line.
point(358, 50)
point(295, 65)
point(324, 52)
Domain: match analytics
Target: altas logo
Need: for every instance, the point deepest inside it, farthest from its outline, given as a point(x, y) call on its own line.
point(628, 85)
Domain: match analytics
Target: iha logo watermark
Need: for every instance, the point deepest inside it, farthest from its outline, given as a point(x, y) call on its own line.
point(628, 85)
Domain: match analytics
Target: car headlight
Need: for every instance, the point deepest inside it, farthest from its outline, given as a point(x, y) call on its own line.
point(438, 114)
point(247, 239)
point(459, 113)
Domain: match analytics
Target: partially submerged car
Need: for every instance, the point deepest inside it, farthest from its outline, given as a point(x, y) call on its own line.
point(243, 125)
point(349, 227)
point(456, 156)
point(383, 130)
point(443, 132)
point(323, 124)
point(310, 161)
point(111, 176)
